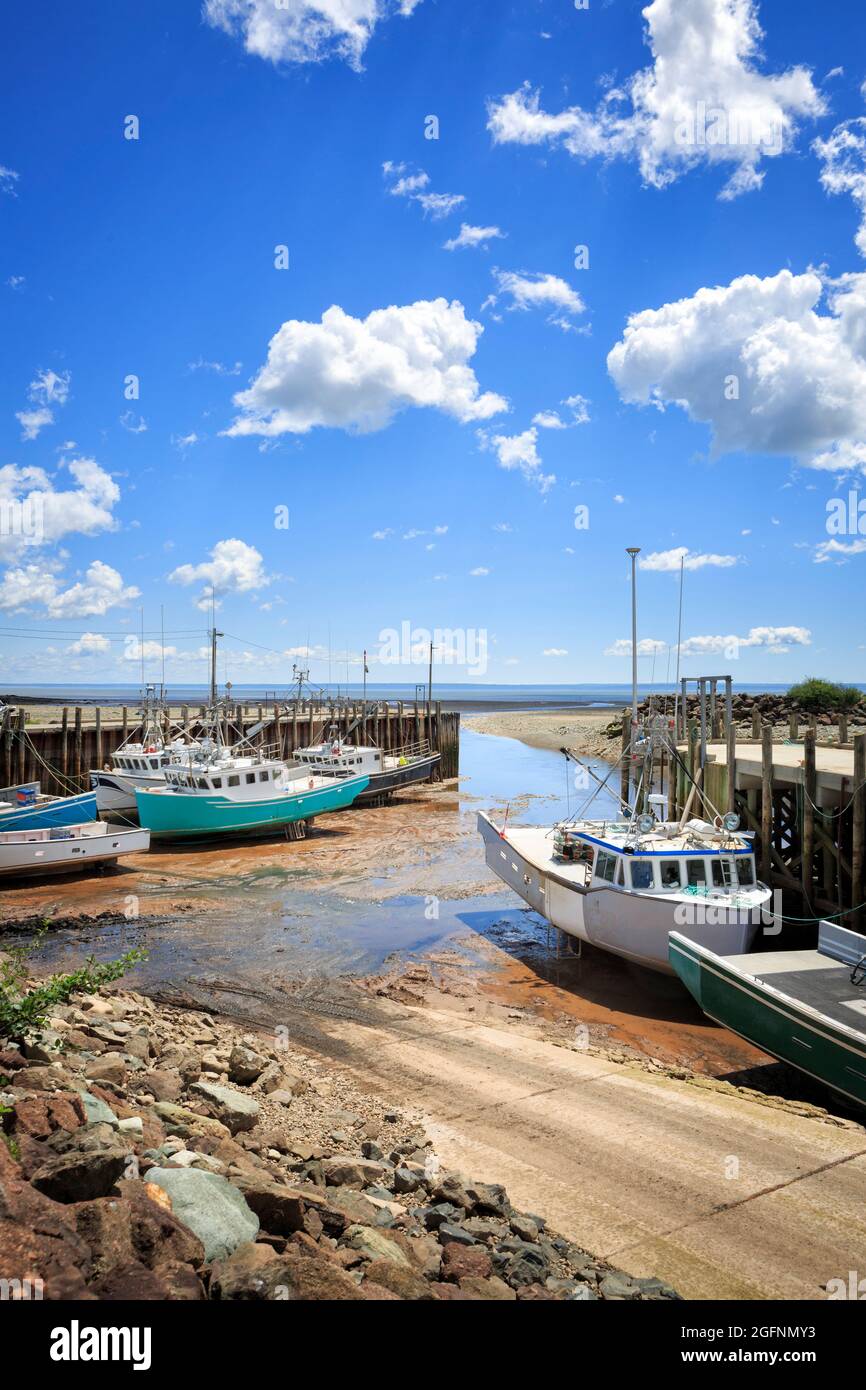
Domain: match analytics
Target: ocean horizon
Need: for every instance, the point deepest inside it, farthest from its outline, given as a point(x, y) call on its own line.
point(455, 694)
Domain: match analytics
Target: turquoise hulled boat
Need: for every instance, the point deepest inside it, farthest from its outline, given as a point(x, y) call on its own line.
point(805, 1007)
point(27, 807)
point(226, 794)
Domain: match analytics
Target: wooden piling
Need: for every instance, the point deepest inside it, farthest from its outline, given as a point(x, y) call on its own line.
point(858, 831)
point(766, 801)
point(810, 788)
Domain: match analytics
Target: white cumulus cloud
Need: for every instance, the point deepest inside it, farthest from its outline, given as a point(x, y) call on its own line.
point(759, 363)
point(39, 585)
point(704, 99)
point(304, 31)
point(668, 561)
point(520, 452)
point(843, 156)
point(470, 236)
point(355, 374)
point(233, 567)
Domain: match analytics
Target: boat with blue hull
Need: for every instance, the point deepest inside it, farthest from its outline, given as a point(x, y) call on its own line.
point(806, 1007)
point(228, 793)
point(27, 807)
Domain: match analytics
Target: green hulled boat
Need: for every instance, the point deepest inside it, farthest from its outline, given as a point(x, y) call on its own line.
point(807, 1008)
point(224, 793)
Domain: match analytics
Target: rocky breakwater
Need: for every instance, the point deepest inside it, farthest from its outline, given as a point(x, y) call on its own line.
point(151, 1153)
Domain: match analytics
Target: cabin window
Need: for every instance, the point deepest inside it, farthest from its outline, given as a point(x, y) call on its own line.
point(606, 866)
point(250, 777)
point(201, 783)
point(620, 875)
point(746, 871)
point(670, 872)
point(163, 762)
point(642, 873)
point(263, 776)
point(234, 781)
point(217, 782)
point(723, 873)
point(697, 872)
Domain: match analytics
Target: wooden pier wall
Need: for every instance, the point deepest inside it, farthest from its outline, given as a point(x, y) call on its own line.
point(60, 756)
point(806, 803)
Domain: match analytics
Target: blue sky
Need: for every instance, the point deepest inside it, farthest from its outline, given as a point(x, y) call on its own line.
point(699, 386)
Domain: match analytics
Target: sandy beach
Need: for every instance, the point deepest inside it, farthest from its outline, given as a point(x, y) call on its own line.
point(583, 729)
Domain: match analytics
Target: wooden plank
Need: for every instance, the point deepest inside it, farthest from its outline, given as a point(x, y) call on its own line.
point(858, 830)
point(810, 791)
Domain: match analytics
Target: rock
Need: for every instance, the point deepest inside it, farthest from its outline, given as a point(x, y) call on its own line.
point(376, 1244)
point(281, 1097)
point(187, 1123)
point(235, 1111)
point(493, 1289)
point(281, 1210)
point(451, 1189)
point(96, 1112)
point(77, 1177)
point(160, 1083)
point(109, 1069)
point(343, 1170)
point(455, 1234)
point(42, 1047)
point(246, 1066)
point(370, 1149)
point(617, 1285)
point(405, 1180)
point(134, 1229)
point(489, 1197)
point(134, 1283)
point(251, 1272)
point(210, 1206)
point(276, 1078)
point(465, 1262)
point(405, 1283)
point(40, 1116)
point(133, 1125)
point(313, 1278)
point(524, 1227)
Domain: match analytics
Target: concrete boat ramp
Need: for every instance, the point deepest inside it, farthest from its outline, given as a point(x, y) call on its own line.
point(722, 1195)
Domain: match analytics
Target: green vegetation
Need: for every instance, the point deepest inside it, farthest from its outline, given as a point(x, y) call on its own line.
point(25, 1005)
point(825, 697)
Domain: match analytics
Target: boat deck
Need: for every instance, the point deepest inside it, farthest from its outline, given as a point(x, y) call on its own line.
point(810, 978)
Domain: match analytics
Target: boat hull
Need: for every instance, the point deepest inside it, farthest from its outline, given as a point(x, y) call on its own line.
point(65, 810)
point(775, 1023)
point(176, 815)
point(384, 783)
point(115, 792)
point(631, 925)
point(30, 859)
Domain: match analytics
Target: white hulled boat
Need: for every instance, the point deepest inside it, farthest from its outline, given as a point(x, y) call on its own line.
point(66, 849)
point(139, 763)
point(624, 883)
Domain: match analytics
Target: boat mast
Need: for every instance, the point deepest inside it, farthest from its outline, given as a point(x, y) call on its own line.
point(679, 646)
point(633, 551)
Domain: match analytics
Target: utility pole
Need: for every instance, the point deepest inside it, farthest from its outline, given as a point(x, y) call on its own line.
point(213, 663)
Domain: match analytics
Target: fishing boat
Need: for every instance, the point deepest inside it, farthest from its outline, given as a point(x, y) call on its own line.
point(624, 885)
point(387, 771)
point(66, 849)
point(805, 1007)
point(224, 791)
point(624, 882)
point(139, 763)
point(27, 807)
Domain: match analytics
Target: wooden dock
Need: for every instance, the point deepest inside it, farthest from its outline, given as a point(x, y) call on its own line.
point(806, 803)
point(60, 754)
